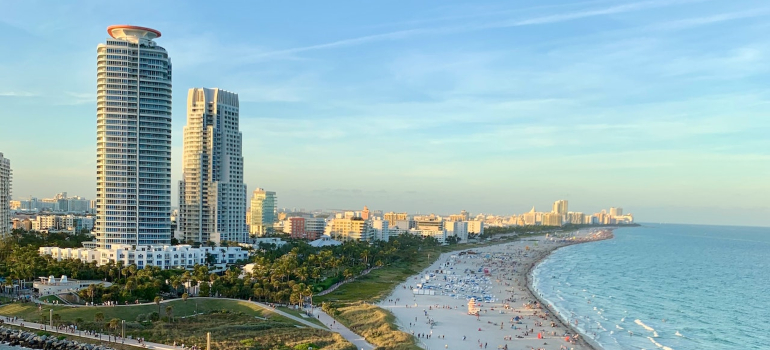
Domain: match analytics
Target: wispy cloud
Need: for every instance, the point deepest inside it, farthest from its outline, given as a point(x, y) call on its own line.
point(548, 19)
point(17, 94)
point(708, 20)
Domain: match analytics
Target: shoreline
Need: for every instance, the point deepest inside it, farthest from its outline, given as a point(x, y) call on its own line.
point(583, 340)
point(505, 283)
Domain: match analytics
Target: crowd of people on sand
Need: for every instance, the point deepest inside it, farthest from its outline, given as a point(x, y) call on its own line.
point(490, 274)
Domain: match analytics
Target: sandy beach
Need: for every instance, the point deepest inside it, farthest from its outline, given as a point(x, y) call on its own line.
point(435, 305)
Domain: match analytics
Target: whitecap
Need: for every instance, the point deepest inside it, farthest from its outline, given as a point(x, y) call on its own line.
point(618, 327)
point(678, 334)
point(639, 322)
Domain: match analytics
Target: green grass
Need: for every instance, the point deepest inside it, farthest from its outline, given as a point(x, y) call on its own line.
point(51, 299)
point(233, 324)
point(29, 312)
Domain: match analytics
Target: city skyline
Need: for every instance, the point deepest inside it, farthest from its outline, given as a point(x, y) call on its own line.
point(425, 116)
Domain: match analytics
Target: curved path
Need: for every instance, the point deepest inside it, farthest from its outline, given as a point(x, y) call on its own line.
point(102, 338)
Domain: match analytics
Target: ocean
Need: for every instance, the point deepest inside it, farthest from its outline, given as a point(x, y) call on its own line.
point(680, 287)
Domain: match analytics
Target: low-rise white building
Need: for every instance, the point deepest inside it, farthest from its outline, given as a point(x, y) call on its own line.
point(52, 285)
point(163, 256)
point(439, 235)
point(381, 230)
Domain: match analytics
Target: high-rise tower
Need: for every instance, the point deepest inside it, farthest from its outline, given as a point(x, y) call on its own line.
point(133, 133)
point(212, 196)
point(5, 195)
point(263, 208)
point(560, 207)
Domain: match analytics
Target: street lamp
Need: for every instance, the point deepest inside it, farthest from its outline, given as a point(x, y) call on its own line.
point(123, 329)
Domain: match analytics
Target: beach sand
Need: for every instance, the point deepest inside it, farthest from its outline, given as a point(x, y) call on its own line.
point(498, 273)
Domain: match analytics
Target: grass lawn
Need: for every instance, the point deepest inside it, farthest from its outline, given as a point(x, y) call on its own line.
point(233, 324)
point(51, 299)
point(29, 312)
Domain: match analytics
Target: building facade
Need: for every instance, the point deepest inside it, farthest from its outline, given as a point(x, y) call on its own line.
point(560, 207)
point(263, 212)
point(133, 132)
point(356, 228)
point(212, 195)
point(163, 256)
point(5, 195)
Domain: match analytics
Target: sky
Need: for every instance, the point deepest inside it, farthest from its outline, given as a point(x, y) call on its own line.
point(660, 107)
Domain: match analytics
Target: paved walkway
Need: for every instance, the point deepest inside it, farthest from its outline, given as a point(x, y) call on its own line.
point(335, 326)
point(34, 327)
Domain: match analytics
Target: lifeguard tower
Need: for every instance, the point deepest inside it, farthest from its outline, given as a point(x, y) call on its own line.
point(473, 308)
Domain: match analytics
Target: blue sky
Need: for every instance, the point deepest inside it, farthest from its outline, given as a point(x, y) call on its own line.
point(660, 107)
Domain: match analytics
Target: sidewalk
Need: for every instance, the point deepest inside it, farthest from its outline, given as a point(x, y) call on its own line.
point(354, 338)
point(103, 339)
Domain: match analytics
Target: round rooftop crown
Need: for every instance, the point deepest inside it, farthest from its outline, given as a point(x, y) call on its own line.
point(123, 30)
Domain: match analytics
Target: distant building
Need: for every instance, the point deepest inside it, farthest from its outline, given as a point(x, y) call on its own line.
point(560, 207)
point(325, 241)
point(475, 227)
point(365, 213)
point(463, 216)
point(392, 217)
point(457, 229)
point(263, 212)
point(552, 219)
point(296, 228)
point(350, 229)
point(430, 222)
point(530, 218)
point(576, 218)
point(5, 195)
point(381, 230)
point(616, 212)
point(314, 227)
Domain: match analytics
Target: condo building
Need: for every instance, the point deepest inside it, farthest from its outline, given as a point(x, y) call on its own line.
point(5, 195)
point(212, 195)
point(263, 212)
point(133, 164)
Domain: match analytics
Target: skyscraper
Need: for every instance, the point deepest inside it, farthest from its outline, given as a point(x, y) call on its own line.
point(263, 205)
point(133, 133)
point(5, 195)
point(560, 207)
point(212, 196)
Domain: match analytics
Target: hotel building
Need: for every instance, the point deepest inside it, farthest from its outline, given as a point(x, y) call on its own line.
point(133, 132)
point(212, 196)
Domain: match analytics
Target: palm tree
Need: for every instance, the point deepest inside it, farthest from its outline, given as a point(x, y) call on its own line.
point(157, 302)
point(184, 296)
point(170, 313)
point(99, 317)
point(114, 323)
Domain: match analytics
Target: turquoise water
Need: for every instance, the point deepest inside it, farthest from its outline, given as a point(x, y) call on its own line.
point(683, 287)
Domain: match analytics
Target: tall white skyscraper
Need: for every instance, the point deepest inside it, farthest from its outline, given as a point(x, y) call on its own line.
point(5, 195)
point(133, 133)
point(212, 196)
